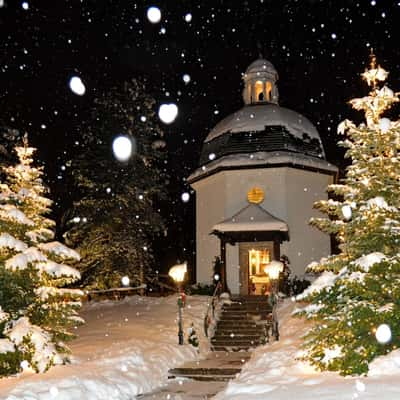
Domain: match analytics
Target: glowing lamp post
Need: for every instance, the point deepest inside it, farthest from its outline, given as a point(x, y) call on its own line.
point(177, 273)
point(273, 269)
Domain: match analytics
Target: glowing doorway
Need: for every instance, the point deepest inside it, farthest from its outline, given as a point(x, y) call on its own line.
point(259, 282)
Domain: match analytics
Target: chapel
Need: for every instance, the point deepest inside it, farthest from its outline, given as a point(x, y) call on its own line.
point(261, 169)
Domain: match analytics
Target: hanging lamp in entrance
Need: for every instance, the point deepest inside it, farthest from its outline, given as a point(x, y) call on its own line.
point(255, 195)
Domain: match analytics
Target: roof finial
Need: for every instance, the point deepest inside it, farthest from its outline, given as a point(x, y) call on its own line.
point(259, 48)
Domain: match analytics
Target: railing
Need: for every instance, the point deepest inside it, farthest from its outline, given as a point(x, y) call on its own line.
point(210, 314)
point(152, 283)
point(113, 293)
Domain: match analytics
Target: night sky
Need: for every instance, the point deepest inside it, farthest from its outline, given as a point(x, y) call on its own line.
point(318, 48)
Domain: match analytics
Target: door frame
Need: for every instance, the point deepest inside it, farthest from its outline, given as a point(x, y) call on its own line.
point(244, 248)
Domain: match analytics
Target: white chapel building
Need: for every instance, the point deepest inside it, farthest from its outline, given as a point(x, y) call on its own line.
point(261, 170)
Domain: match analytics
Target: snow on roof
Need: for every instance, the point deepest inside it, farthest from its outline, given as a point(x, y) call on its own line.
point(261, 159)
point(256, 117)
point(59, 249)
point(21, 260)
point(58, 270)
point(251, 218)
point(8, 211)
point(260, 65)
point(11, 242)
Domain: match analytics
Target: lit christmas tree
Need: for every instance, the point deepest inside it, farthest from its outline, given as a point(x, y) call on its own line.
point(36, 311)
point(354, 303)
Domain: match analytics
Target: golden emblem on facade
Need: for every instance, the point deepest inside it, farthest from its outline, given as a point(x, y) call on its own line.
point(255, 195)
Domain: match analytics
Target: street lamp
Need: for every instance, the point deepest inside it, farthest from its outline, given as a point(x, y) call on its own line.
point(273, 269)
point(177, 273)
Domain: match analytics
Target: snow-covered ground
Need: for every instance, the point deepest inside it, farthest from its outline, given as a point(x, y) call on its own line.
point(127, 347)
point(124, 349)
point(274, 374)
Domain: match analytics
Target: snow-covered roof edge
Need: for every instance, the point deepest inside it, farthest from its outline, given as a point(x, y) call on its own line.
point(263, 160)
point(242, 221)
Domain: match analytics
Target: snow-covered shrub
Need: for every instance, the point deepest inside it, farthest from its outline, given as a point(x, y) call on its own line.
point(193, 338)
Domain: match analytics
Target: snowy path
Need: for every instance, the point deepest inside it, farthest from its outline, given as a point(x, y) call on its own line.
point(125, 349)
point(181, 389)
point(214, 366)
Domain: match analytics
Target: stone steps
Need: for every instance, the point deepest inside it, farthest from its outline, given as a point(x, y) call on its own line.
point(237, 327)
point(247, 310)
point(238, 323)
point(238, 334)
point(237, 343)
point(243, 317)
point(217, 366)
point(204, 378)
point(230, 349)
point(204, 374)
point(251, 329)
point(242, 339)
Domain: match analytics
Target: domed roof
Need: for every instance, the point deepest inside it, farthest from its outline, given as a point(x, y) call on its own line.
point(262, 128)
point(261, 132)
point(258, 117)
point(260, 65)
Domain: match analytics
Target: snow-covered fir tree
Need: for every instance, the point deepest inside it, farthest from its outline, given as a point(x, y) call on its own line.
point(357, 296)
point(116, 215)
point(36, 311)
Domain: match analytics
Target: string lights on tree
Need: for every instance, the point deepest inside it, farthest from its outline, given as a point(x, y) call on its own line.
point(354, 303)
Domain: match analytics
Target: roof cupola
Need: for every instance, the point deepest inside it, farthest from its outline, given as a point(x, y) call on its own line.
point(260, 83)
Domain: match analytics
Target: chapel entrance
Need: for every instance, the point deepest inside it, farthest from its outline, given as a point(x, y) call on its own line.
point(259, 235)
point(253, 258)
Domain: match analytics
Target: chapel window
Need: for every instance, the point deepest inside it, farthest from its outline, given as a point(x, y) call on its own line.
point(268, 90)
point(259, 91)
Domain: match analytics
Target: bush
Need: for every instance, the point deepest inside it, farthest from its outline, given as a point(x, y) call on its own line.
point(201, 289)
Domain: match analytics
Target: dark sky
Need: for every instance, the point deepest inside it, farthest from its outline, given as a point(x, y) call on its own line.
point(318, 47)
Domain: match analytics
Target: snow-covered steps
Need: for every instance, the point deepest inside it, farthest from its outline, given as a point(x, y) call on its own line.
point(217, 366)
point(207, 375)
point(242, 324)
point(185, 389)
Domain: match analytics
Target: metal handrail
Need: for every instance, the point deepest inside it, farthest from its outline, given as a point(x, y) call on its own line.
point(211, 307)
